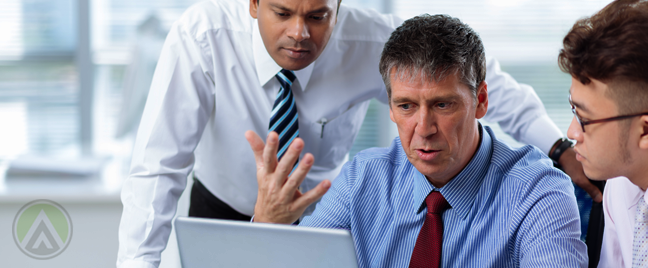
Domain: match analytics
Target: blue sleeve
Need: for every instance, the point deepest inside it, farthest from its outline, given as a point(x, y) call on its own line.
point(333, 211)
point(549, 231)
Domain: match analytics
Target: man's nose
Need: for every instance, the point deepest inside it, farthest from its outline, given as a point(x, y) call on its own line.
point(575, 131)
point(426, 125)
point(298, 30)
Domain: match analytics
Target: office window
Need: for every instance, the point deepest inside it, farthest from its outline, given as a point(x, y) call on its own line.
point(38, 77)
point(40, 95)
point(126, 39)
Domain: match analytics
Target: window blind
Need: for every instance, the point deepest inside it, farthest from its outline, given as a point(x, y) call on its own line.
point(38, 79)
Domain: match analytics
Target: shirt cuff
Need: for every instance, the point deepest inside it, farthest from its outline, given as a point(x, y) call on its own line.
point(136, 264)
point(542, 133)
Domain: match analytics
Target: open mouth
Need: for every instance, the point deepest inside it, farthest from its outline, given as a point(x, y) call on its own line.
point(427, 155)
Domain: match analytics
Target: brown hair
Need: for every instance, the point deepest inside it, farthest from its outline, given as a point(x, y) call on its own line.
point(434, 47)
point(612, 46)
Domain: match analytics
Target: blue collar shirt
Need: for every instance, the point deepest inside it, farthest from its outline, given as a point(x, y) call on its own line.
point(509, 208)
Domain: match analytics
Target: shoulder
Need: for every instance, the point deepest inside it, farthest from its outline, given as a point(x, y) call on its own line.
point(620, 194)
point(391, 155)
point(377, 164)
point(364, 25)
point(620, 186)
point(527, 167)
point(216, 15)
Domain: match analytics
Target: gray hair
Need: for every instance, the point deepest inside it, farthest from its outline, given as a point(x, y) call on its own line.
point(434, 47)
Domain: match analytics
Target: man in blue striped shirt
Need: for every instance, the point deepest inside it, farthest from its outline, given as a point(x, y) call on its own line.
point(507, 208)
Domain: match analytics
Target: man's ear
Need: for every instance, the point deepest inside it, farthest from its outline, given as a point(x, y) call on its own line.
point(391, 113)
point(643, 139)
point(482, 100)
point(254, 6)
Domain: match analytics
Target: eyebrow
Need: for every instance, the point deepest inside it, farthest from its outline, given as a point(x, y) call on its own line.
point(279, 7)
point(581, 107)
point(445, 98)
point(319, 10)
point(400, 100)
point(578, 105)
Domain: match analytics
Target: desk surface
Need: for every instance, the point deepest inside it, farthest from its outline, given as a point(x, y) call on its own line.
point(105, 187)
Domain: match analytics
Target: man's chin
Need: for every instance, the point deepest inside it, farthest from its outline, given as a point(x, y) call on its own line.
point(597, 176)
point(427, 168)
point(291, 63)
point(295, 65)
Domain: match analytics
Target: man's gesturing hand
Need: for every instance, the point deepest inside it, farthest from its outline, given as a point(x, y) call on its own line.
point(279, 199)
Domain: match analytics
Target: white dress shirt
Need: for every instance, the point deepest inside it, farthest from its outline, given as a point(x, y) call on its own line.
point(215, 80)
point(620, 200)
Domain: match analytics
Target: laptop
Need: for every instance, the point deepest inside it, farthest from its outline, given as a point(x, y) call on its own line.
point(221, 243)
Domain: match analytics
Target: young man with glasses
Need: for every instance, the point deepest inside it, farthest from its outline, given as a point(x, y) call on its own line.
point(607, 57)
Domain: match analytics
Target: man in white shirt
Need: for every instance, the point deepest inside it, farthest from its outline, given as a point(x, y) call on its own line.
point(607, 56)
point(218, 76)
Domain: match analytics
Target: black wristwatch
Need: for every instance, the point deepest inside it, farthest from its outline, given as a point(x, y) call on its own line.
point(559, 148)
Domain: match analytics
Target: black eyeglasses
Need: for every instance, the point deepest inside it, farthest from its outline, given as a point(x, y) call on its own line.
point(583, 123)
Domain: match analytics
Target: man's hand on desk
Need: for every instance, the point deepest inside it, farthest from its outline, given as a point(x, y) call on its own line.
point(279, 199)
point(574, 169)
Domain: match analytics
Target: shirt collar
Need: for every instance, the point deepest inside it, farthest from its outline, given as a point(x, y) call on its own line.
point(267, 68)
point(634, 196)
point(460, 192)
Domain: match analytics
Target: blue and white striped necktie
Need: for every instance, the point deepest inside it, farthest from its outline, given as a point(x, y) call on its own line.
point(283, 118)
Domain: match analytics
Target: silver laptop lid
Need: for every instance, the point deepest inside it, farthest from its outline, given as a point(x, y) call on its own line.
point(221, 243)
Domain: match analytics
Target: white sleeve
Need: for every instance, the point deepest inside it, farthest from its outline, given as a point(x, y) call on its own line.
point(395, 21)
point(179, 104)
point(518, 110)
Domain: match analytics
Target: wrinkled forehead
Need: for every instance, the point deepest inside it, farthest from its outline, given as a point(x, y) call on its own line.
point(450, 78)
point(409, 73)
point(409, 85)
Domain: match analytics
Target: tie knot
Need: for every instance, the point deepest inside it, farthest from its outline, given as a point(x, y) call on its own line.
point(436, 203)
point(287, 76)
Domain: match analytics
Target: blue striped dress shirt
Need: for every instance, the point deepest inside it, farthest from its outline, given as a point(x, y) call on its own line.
point(509, 208)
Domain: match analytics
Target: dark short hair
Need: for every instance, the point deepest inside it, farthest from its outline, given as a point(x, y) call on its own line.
point(436, 46)
point(612, 46)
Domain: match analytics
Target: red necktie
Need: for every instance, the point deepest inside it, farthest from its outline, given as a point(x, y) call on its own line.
point(427, 251)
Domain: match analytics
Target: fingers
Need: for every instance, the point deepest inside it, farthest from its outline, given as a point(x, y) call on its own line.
point(297, 177)
point(287, 162)
point(270, 152)
point(257, 145)
point(312, 196)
